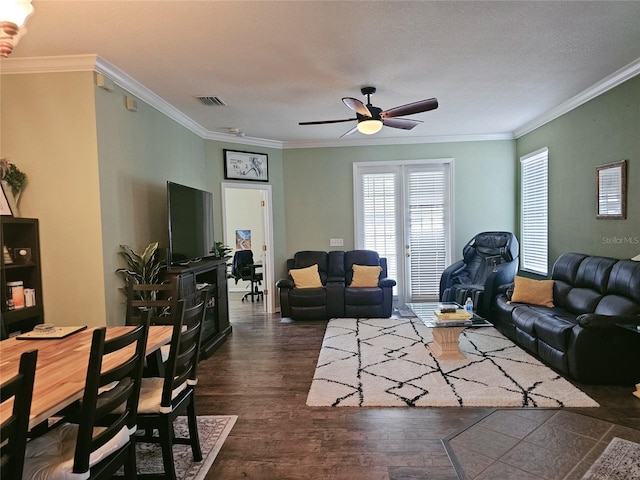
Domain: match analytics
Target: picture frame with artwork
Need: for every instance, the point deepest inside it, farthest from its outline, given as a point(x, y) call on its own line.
point(249, 166)
point(5, 207)
point(611, 190)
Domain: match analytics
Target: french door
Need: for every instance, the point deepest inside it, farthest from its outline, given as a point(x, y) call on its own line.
point(404, 212)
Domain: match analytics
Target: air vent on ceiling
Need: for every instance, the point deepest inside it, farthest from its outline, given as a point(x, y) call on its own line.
point(211, 101)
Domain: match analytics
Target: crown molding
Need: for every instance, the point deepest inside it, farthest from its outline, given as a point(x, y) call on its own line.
point(242, 140)
point(92, 62)
point(616, 78)
point(378, 141)
point(66, 63)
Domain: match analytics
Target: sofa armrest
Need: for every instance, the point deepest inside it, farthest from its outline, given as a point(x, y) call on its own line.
point(285, 283)
point(387, 283)
point(595, 321)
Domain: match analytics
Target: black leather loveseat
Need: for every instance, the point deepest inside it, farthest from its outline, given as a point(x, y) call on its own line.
point(581, 335)
point(336, 294)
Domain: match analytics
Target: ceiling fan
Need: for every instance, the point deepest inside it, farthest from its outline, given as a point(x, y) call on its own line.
point(371, 119)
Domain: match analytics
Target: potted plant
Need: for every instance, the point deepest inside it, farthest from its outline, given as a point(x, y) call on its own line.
point(221, 250)
point(142, 268)
point(13, 182)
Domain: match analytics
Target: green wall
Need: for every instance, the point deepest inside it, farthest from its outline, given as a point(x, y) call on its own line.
point(603, 130)
point(318, 189)
point(137, 153)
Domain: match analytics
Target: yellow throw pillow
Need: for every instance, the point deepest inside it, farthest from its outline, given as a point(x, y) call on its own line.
point(306, 277)
point(535, 292)
point(365, 276)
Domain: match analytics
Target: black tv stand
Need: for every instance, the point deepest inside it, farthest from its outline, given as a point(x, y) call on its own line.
point(212, 272)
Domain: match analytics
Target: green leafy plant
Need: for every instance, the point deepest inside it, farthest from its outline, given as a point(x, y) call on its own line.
point(221, 250)
point(14, 177)
point(142, 267)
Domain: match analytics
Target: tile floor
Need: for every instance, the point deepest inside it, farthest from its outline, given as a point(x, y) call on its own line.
point(531, 444)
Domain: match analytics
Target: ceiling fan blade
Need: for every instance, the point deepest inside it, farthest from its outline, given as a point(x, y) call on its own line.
point(322, 122)
point(357, 106)
point(403, 123)
point(411, 108)
point(353, 130)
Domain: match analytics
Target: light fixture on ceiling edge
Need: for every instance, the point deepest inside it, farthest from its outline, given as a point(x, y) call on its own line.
point(13, 15)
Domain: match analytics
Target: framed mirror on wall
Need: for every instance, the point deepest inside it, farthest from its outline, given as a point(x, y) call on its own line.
point(611, 184)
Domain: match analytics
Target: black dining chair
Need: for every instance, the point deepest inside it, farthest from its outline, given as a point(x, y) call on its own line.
point(100, 439)
point(13, 431)
point(162, 399)
point(159, 299)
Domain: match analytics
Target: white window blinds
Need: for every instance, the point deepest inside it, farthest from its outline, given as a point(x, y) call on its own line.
point(534, 211)
point(427, 231)
point(379, 214)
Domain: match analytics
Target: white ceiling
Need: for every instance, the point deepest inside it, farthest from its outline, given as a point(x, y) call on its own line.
point(495, 67)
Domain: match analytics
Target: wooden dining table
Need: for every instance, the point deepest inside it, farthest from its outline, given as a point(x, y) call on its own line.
point(62, 364)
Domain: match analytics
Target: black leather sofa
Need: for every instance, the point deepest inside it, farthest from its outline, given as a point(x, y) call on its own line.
point(489, 260)
point(336, 297)
point(581, 335)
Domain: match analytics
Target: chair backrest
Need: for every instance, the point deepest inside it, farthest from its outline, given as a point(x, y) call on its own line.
point(14, 429)
point(184, 352)
point(486, 250)
point(361, 257)
point(241, 259)
point(158, 298)
point(115, 407)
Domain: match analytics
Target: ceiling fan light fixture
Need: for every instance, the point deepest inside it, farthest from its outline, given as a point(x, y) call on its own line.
point(13, 14)
point(369, 127)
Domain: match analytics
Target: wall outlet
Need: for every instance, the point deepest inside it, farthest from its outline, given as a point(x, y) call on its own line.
point(336, 242)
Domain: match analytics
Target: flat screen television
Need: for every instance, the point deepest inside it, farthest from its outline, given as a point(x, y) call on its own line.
point(190, 219)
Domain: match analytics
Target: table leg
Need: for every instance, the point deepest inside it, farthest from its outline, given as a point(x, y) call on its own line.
point(445, 345)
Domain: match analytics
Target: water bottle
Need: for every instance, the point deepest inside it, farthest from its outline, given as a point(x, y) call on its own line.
point(468, 306)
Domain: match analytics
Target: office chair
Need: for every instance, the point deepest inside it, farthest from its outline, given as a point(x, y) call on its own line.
point(243, 268)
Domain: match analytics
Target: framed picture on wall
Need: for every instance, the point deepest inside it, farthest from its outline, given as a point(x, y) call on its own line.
point(5, 209)
point(246, 166)
point(611, 184)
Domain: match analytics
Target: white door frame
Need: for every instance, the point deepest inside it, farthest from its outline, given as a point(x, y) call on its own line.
point(267, 255)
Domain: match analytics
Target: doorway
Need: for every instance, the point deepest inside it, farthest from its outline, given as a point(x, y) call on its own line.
point(404, 211)
point(248, 216)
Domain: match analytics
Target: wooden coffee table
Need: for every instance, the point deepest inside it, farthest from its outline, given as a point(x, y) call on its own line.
point(446, 335)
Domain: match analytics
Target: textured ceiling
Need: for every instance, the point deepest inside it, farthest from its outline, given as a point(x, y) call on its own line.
point(494, 66)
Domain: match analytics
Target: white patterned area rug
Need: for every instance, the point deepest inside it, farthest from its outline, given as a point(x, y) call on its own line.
point(386, 363)
point(212, 430)
point(619, 461)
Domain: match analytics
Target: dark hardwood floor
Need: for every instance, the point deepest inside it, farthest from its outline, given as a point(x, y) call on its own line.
point(263, 373)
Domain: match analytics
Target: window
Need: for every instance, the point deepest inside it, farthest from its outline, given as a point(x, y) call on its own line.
point(534, 187)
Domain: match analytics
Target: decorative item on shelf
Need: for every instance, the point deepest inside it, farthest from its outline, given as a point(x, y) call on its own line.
point(22, 255)
point(221, 250)
point(142, 267)
point(6, 256)
point(13, 15)
point(13, 182)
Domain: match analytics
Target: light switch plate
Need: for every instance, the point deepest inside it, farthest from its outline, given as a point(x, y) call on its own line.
point(336, 242)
